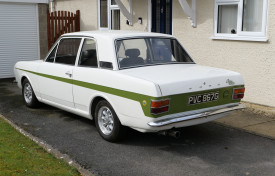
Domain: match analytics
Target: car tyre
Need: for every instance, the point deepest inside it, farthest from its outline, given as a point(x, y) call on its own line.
point(28, 94)
point(107, 122)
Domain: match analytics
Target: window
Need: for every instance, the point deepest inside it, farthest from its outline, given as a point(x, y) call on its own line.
point(52, 55)
point(150, 51)
point(103, 8)
point(109, 15)
point(240, 20)
point(88, 56)
point(67, 51)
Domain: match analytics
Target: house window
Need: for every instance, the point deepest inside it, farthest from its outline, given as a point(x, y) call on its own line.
point(109, 15)
point(103, 8)
point(240, 20)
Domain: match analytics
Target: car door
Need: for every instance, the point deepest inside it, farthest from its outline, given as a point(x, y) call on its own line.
point(55, 82)
point(86, 71)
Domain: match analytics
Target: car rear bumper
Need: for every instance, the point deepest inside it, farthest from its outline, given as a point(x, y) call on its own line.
point(195, 117)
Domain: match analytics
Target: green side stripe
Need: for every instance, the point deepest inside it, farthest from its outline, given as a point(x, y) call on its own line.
point(178, 103)
point(110, 90)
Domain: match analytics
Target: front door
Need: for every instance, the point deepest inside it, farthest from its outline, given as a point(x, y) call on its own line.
point(55, 83)
point(162, 16)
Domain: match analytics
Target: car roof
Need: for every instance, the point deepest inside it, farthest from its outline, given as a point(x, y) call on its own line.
point(115, 34)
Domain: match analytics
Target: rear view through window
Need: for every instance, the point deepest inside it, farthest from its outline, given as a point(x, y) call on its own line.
point(150, 51)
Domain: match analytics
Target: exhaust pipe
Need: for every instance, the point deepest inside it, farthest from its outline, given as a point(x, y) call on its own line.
point(175, 134)
point(172, 133)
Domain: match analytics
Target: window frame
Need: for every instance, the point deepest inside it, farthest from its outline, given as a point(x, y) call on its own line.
point(240, 35)
point(57, 45)
point(50, 52)
point(81, 47)
point(110, 7)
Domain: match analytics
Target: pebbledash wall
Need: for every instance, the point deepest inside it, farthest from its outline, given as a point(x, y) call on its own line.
point(88, 11)
point(254, 60)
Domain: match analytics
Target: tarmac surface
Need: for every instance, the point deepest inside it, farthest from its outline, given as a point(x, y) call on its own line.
point(215, 148)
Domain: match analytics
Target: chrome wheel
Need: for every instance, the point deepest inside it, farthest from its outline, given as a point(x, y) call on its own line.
point(105, 120)
point(28, 93)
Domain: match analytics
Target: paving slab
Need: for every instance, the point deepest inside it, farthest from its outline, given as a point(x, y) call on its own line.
point(250, 122)
point(267, 129)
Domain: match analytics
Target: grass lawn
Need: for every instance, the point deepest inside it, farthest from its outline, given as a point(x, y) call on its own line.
point(21, 156)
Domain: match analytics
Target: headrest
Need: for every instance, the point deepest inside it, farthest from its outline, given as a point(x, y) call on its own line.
point(88, 53)
point(132, 52)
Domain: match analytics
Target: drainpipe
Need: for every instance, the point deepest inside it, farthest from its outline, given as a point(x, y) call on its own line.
point(52, 5)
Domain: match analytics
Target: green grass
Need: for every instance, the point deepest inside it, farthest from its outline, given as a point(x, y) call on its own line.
point(21, 156)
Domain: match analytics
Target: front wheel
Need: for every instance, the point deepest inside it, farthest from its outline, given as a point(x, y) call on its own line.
point(107, 122)
point(28, 95)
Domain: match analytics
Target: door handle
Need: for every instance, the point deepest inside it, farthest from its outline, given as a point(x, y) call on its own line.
point(69, 74)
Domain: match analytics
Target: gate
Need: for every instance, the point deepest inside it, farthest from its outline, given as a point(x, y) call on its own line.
point(61, 22)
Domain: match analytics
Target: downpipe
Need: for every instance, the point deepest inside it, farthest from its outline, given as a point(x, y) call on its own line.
point(171, 133)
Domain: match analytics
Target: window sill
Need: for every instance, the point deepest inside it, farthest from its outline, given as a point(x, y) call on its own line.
point(241, 38)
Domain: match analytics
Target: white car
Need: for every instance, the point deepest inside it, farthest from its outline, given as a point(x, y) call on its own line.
point(145, 81)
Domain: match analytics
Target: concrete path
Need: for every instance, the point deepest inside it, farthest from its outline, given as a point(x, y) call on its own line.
point(250, 122)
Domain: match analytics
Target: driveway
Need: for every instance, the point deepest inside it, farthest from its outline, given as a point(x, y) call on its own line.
point(208, 149)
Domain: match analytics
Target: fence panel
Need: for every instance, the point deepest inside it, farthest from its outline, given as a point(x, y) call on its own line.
point(61, 22)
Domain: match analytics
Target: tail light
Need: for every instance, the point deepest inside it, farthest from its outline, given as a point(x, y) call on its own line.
point(238, 93)
point(159, 106)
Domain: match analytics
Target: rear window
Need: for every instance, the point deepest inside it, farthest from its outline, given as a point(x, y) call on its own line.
point(150, 51)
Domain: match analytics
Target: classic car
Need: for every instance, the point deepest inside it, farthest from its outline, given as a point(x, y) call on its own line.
point(145, 81)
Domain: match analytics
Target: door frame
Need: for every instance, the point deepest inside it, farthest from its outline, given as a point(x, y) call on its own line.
point(150, 16)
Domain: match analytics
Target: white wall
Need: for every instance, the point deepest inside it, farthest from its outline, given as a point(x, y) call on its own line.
point(254, 60)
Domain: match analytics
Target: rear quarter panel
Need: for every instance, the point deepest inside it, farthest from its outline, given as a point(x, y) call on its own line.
point(124, 93)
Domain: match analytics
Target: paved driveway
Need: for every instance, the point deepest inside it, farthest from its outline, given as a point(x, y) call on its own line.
point(208, 149)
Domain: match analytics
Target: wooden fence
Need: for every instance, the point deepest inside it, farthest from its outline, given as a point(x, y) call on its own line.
point(61, 22)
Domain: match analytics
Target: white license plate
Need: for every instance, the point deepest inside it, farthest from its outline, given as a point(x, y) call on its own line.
point(203, 98)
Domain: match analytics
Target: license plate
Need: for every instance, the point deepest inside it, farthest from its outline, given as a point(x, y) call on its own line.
point(203, 98)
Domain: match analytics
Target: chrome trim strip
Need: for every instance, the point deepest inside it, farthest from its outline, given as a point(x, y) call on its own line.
point(196, 116)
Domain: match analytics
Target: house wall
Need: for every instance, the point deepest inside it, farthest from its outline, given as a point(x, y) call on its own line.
point(88, 11)
point(254, 60)
point(140, 9)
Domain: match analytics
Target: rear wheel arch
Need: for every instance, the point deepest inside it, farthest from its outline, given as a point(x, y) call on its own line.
point(94, 102)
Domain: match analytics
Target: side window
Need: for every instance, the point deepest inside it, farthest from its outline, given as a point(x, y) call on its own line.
point(52, 55)
point(88, 54)
point(67, 51)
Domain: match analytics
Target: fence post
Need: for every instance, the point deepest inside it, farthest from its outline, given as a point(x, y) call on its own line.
point(77, 21)
point(48, 29)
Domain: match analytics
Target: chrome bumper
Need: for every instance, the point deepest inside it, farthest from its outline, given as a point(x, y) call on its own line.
point(196, 116)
